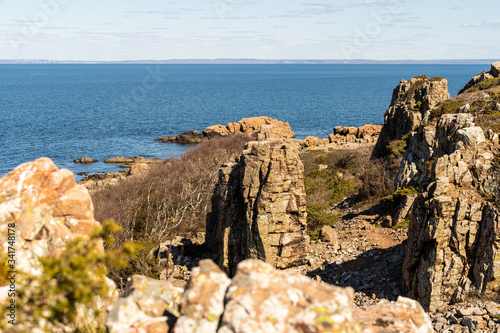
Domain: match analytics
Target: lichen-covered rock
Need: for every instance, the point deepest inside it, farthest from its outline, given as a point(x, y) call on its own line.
point(203, 301)
point(410, 100)
point(454, 233)
point(261, 299)
point(148, 305)
point(47, 207)
point(259, 207)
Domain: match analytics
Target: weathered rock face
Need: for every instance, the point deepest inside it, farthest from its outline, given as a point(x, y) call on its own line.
point(410, 100)
point(259, 207)
point(247, 126)
point(481, 77)
point(47, 207)
point(259, 298)
point(454, 233)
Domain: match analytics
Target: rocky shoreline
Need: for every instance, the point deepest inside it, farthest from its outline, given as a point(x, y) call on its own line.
point(424, 259)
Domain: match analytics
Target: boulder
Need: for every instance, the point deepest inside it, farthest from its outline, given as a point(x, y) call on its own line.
point(148, 305)
point(262, 299)
point(495, 69)
point(329, 235)
point(259, 207)
point(410, 101)
point(85, 160)
point(405, 315)
point(138, 168)
point(202, 304)
point(216, 131)
point(47, 207)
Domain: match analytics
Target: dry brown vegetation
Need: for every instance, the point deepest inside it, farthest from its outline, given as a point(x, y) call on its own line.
point(172, 198)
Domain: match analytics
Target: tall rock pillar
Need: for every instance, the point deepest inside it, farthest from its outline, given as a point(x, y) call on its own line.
point(259, 207)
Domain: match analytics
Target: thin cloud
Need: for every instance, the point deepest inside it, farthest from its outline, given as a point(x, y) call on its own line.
point(242, 17)
point(483, 24)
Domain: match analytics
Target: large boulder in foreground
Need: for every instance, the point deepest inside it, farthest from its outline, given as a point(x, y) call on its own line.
point(262, 299)
point(410, 100)
point(259, 207)
point(45, 207)
point(247, 126)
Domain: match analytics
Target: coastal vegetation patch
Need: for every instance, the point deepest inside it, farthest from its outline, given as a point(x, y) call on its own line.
point(170, 199)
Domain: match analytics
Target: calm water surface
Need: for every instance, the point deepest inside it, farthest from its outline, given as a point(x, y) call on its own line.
point(101, 111)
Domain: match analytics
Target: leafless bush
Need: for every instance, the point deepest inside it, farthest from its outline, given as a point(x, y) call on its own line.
point(377, 181)
point(173, 197)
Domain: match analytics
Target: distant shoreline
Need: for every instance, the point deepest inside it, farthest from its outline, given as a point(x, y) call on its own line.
point(260, 62)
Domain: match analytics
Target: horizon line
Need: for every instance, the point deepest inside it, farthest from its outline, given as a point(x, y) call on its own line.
point(251, 61)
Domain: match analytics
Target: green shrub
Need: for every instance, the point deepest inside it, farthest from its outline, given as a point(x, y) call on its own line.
point(66, 291)
point(317, 217)
point(489, 83)
point(446, 107)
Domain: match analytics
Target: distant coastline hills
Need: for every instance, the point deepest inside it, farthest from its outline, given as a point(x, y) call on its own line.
point(253, 61)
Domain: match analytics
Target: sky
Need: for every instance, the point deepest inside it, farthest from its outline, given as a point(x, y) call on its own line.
point(105, 30)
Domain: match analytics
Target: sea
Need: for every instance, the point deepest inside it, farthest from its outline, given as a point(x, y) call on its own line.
point(66, 111)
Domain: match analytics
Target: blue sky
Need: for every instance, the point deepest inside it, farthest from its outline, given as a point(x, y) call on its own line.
point(272, 29)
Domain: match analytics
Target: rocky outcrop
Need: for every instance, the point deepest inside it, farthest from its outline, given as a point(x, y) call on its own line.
point(410, 100)
point(45, 207)
point(366, 134)
point(259, 207)
point(312, 141)
point(247, 126)
point(258, 299)
point(454, 233)
point(133, 160)
point(85, 160)
point(481, 77)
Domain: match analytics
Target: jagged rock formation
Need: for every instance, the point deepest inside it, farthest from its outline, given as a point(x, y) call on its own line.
point(454, 233)
point(259, 207)
point(482, 77)
point(47, 207)
point(410, 100)
point(260, 299)
point(247, 126)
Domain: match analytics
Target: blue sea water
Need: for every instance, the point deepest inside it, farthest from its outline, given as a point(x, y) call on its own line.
point(68, 111)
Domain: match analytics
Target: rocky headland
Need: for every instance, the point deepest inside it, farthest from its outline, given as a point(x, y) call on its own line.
point(247, 126)
point(425, 258)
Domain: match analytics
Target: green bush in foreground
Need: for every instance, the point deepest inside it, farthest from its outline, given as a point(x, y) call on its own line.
point(65, 295)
